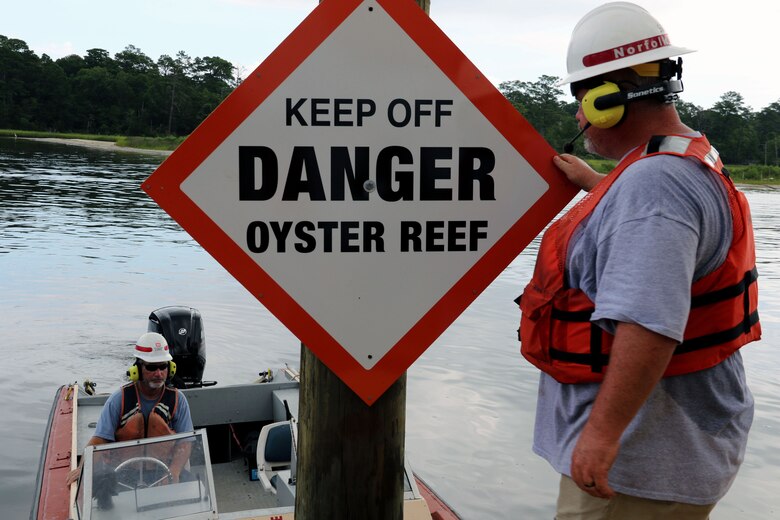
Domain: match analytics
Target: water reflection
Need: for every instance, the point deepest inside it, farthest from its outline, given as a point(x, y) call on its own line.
point(61, 190)
point(85, 255)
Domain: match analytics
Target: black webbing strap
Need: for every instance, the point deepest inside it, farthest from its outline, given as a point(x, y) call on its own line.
point(654, 145)
point(717, 338)
point(727, 292)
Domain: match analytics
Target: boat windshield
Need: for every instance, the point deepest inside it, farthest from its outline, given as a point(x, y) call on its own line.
point(137, 479)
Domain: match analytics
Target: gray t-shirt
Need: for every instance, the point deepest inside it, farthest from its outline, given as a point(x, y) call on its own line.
point(663, 224)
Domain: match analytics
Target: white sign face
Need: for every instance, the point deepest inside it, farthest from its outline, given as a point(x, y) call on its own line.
point(366, 185)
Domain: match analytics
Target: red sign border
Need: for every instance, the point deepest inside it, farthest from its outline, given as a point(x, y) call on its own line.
point(164, 186)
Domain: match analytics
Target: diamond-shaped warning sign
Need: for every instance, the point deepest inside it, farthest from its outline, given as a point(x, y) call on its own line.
point(365, 183)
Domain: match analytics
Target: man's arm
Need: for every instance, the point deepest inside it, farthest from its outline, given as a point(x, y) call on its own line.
point(637, 362)
point(181, 454)
point(182, 422)
point(73, 475)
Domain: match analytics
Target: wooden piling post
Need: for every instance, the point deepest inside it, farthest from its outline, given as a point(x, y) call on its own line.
point(350, 455)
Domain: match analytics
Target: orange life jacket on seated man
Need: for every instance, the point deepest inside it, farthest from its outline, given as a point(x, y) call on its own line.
point(131, 422)
point(555, 329)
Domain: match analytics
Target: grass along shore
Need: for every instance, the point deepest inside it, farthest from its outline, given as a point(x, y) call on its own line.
point(744, 174)
point(757, 174)
point(167, 143)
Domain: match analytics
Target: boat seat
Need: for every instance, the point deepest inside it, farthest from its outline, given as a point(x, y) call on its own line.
point(274, 452)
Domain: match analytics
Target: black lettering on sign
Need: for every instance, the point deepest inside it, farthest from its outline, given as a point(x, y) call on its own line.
point(400, 112)
point(475, 164)
point(394, 169)
point(328, 112)
point(441, 235)
point(396, 187)
point(303, 231)
point(430, 173)
point(327, 235)
point(295, 111)
point(303, 159)
point(352, 236)
point(248, 157)
point(341, 170)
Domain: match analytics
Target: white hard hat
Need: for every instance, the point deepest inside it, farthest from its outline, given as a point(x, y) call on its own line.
point(152, 348)
point(615, 36)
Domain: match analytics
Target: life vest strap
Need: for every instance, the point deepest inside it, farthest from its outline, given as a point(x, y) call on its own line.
point(718, 338)
point(727, 292)
point(574, 316)
point(593, 360)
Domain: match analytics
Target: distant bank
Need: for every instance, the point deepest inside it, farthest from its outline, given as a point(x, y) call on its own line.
point(100, 145)
point(754, 175)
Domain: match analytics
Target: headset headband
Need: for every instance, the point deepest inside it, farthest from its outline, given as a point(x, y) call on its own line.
point(665, 90)
point(665, 70)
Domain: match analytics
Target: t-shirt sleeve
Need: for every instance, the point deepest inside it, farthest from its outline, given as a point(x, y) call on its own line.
point(182, 421)
point(109, 417)
point(665, 224)
point(647, 275)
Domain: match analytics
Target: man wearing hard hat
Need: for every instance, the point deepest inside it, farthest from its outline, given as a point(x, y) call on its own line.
point(642, 294)
point(146, 407)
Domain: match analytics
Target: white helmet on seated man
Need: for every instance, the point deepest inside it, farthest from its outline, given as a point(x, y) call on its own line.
point(151, 352)
point(152, 348)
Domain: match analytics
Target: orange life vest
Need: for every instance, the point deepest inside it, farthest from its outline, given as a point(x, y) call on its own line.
point(131, 421)
point(555, 329)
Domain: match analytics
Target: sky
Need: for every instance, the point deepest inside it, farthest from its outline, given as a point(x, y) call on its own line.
point(506, 39)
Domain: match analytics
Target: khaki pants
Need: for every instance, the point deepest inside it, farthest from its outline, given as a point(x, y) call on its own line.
point(575, 504)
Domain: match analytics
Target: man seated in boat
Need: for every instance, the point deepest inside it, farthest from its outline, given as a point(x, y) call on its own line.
point(147, 406)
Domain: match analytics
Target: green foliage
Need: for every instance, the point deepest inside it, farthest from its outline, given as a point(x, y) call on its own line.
point(755, 173)
point(740, 135)
point(540, 103)
point(128, 94)
point(151, 143)
point(601, 165)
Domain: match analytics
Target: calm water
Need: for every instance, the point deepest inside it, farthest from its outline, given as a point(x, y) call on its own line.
point(85, 256)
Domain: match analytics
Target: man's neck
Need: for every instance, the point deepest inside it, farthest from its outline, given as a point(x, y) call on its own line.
point(663, 122)
point(148, 392)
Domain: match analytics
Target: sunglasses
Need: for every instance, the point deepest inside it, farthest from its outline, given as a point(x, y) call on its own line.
point(155, 367)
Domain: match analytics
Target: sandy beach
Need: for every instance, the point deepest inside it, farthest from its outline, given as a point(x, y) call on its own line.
point(100, 145)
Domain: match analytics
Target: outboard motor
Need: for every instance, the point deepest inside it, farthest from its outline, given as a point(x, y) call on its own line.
point(182, 327)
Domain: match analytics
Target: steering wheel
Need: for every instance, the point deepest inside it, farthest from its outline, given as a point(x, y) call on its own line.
point(140, 482)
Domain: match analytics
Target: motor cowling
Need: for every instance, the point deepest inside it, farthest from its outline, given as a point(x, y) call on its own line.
point(182, 327)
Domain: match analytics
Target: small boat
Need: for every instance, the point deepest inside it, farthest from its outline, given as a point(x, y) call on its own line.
point(242, 450)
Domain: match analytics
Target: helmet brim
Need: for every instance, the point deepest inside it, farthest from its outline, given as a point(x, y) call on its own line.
point(623, 63)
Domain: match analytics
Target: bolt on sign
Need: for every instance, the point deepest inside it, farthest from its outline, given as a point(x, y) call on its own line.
point(366, 182)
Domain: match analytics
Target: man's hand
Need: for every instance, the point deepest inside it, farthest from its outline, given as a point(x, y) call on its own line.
point(577, 171)
point(591, 460)
point(637, 362)
point(73, 475)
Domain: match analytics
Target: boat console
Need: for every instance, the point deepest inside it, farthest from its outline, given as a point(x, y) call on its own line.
point(132, 480)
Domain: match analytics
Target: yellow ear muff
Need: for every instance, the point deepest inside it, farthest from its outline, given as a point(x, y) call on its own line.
point(605, 118)
point(132, 373)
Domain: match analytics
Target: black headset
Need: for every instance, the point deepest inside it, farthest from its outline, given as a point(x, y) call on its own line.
point(604, 104)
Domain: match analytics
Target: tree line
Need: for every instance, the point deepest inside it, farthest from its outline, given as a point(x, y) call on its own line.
point(741, 135)
point(127, 94)
point(131, 94)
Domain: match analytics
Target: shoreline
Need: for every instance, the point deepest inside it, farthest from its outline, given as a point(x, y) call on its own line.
point(113, 147)
point(97, 145)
